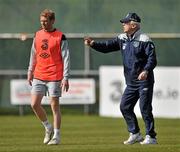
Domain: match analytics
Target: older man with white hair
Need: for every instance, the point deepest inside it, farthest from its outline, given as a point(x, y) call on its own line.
point(139, 60)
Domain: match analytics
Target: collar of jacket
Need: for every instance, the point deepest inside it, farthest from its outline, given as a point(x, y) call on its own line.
point(135, 35)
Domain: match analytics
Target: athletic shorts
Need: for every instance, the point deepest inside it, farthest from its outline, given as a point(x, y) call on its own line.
point(50, 88)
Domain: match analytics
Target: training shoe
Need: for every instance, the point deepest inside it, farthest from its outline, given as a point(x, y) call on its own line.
point(54, 141)
point(133, 138)
point(48, 134)
point(148, 140)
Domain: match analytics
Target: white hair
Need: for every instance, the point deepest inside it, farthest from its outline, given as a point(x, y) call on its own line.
point(135, 23)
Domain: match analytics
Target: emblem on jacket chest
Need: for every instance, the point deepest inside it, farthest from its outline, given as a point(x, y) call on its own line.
point(135, 44)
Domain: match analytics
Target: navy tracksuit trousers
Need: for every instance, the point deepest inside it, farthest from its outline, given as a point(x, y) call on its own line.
point(129, 100)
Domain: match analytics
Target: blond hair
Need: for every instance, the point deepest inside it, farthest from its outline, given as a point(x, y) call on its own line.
point(48, 14)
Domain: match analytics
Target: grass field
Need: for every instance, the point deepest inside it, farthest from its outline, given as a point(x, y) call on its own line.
point(84, 134)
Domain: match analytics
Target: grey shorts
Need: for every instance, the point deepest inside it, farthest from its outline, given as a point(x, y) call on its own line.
point(50, 88)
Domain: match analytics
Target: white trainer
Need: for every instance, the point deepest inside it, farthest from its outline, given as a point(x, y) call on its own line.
point(48, 134)
point(148, 140)
point(133, 138)
point(54, 141)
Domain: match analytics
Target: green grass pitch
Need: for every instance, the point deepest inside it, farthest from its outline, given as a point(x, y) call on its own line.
point(84, 134)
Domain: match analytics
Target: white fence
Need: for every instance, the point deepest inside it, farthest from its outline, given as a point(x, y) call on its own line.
point(87, 70)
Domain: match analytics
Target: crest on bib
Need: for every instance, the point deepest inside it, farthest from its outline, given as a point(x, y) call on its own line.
point(44, 45)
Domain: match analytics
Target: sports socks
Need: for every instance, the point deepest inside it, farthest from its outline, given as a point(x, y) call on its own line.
point(47, 125)
point(56, 133)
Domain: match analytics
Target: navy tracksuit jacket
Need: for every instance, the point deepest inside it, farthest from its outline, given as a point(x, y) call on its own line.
point(138, 54)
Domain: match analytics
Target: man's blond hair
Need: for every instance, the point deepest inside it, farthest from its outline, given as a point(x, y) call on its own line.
point(48, 14)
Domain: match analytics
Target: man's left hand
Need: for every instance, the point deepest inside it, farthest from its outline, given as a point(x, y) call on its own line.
point(65, 85)
point(143, 75)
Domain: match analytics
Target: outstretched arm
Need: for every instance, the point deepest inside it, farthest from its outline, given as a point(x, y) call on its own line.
point(103, 46)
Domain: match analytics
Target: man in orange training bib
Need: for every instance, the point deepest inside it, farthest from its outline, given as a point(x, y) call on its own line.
point(48, 72)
